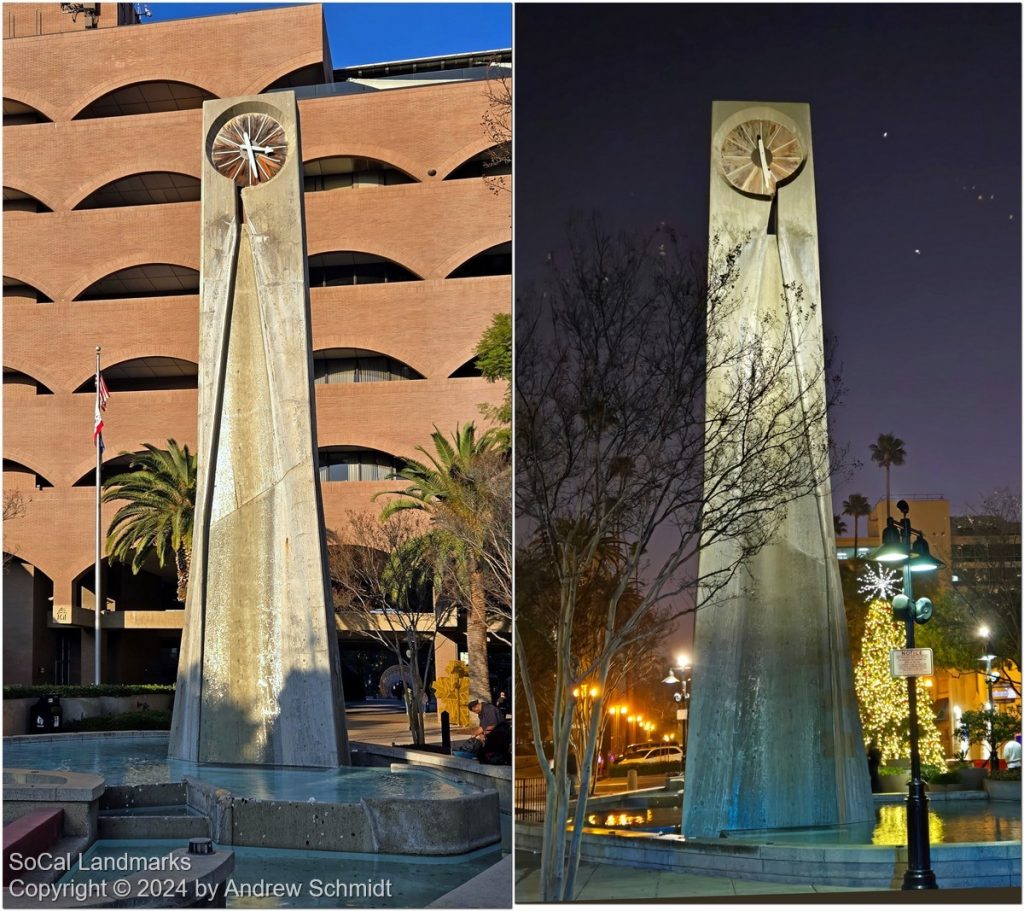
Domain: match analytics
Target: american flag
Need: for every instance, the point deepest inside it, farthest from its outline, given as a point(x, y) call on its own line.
point(102, 397)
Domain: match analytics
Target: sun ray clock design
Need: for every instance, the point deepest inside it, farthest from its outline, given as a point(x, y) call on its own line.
point(774, 739)
point(258, 673)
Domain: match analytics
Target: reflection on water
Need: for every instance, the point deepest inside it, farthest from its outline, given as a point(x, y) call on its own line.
point(949, 822)
point(143, 760)
point(891, 828)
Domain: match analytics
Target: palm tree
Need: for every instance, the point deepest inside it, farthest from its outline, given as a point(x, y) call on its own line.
point(888, 451)
point(160, 488)
point(839, 525)
point(446, 482)
point(856, 506)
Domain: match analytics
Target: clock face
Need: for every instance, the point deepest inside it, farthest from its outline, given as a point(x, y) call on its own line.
point(758, 155)
point(249, 149)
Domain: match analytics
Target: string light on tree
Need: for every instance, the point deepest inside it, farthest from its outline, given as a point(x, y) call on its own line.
point(884, 706)
point(879, 583)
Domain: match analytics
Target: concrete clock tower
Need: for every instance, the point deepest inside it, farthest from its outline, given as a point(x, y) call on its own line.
point(774, 736)
point(258, 675)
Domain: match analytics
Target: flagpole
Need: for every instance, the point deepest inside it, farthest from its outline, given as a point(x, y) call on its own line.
point(99, 510)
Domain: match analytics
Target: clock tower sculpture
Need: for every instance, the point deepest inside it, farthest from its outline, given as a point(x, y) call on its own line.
point(774, 736)
point(258, 673)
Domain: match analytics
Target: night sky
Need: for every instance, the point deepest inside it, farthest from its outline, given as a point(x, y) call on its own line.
point(916, 128)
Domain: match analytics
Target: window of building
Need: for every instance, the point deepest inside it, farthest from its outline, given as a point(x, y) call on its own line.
point(16, 201)
point(152, 188)
point(16, 291)
point(495, 261)
point(16, 114)
point(345, 172)
point(146, 374)
point(469, 369)
point(351, 268)
point(149, 280)
point(17, 383)
point(349, 365)
point(342, 463)
point(21, 477)
point(146, 98)
point(483, 164)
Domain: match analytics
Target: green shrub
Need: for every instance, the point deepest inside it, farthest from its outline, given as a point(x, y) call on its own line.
point(146, 720)
point(86, 690)
point(893, 770)
point(1005, 775)
point(620, 770)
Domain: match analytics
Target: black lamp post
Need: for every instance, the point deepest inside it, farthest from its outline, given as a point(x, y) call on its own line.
point(896, 548)
point(990, 679)
point(682, 698)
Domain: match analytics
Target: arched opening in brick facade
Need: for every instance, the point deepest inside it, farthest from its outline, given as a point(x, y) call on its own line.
point(23, 480)
point(313, 74)
point(33, 652)
point(148, 280)
point(496, 260)
point(19, 201)
point(144, 189)
point(484, 164)
point(17, 113)
point(350, 267)
point(467, 370)
point(16, 291)
point(353, 463)
point(342, 366)
point(146, 374)
point(110, 468)
point(150, 97)
point(133, 653)
point(339, 172)
point(18, 383)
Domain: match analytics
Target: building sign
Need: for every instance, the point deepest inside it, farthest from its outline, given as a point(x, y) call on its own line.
point(62, 613)
point(681, 714)
point(910, 662)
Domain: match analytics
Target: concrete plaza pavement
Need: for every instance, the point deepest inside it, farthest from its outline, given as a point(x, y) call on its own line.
point(606, 882)
point(385, 723)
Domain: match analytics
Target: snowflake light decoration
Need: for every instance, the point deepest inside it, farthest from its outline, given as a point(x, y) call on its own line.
point(879, 582)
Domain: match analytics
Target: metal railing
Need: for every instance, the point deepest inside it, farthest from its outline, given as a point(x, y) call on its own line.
point(530, 796)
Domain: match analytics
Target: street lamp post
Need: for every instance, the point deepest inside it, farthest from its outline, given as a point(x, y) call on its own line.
point(988, 658)
point(896, 548)
point(682, 698)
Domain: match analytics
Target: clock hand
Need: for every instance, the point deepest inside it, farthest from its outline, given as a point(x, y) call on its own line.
point(247, 145)
point(764, 164)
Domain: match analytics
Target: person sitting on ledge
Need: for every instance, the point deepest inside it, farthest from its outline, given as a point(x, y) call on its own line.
point(497, 745)
point(490, 716)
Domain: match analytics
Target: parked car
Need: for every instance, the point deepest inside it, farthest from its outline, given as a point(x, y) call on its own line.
point(651, 755)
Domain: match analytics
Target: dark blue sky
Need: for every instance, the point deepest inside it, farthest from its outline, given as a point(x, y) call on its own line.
point(613, 111)
point(377, 32)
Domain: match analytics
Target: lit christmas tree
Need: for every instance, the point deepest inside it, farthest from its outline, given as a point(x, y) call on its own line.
point(884, 705)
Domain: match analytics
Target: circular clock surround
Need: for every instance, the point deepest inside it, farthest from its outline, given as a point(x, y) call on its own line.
point(740, 155)
point(249, 149)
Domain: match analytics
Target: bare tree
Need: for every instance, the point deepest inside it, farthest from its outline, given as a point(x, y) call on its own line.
point(386, 580)
point(15, 506)
point(497, 122)
point(618, 437)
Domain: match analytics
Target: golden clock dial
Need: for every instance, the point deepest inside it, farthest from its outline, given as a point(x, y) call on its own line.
point(758, 155)
point(249, 149)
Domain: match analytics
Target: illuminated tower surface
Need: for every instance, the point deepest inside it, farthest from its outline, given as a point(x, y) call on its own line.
point(258, 675)
point(774, 737)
